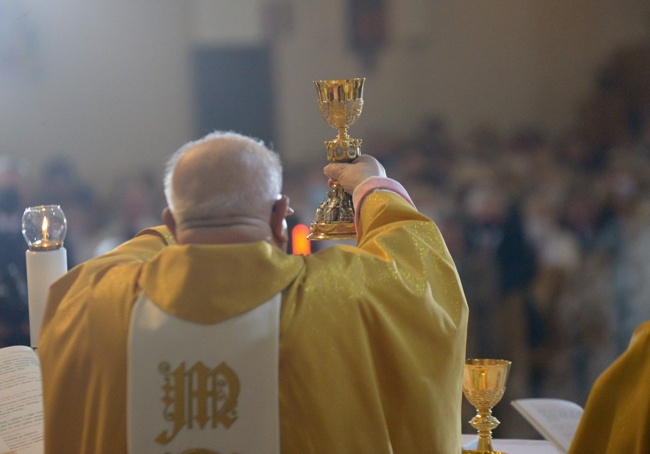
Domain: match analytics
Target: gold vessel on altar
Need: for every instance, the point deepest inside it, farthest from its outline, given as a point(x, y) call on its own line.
point(484, 382)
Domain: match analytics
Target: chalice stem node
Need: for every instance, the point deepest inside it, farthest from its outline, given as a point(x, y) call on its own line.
point(484, 423)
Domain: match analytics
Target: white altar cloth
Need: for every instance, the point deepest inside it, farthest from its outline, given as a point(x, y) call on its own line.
point(514, 446)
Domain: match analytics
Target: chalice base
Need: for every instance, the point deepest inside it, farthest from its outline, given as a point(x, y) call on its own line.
point(332, 231)
point(481, 451)
point(334, 219)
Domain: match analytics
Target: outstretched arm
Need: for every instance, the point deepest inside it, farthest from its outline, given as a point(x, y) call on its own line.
point(362, 177)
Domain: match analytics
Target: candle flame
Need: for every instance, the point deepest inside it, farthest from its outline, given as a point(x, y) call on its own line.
point(44, 227)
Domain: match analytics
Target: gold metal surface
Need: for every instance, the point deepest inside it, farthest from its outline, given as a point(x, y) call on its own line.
point(476, 451)
point(44, 245)
point(340, 102)
point(484, 382)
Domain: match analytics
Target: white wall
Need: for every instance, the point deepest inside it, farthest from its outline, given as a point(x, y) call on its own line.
point(109, 85)
point(108, 81)
point(572, 41)
point(503, 63)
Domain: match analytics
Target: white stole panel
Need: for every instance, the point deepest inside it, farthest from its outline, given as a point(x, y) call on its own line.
point(208, 387)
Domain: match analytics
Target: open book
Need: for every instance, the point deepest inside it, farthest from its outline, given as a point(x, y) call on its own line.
point(21, 401)
point(555, 419)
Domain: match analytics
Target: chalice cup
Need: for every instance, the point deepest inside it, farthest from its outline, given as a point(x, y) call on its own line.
point(484, 382)
point(340, 102)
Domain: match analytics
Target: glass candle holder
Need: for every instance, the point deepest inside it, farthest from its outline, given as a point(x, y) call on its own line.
point(44, 227)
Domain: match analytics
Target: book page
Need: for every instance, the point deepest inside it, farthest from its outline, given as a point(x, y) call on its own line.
point(21, 401)
point(555, 419)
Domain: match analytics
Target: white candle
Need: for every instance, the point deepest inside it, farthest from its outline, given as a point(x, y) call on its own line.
point(43, 268)
point(44, 229)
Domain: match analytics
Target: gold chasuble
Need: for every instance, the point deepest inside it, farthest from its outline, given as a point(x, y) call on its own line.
point(617, 415)
point(372, 338)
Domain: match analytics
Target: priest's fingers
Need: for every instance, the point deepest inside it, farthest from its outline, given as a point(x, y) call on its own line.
point(350, 175)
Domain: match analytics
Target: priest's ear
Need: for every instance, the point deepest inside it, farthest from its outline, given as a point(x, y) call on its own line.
point(170, 222)
point(278, 222)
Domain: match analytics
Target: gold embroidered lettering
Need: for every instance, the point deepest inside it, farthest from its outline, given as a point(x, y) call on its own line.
point(198, 395)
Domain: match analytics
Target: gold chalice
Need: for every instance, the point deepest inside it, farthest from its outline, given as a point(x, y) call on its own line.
point(340, 103)
point(484, 382)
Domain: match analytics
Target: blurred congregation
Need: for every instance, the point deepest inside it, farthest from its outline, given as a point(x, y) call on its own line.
point(551, 238)
point(550, 233)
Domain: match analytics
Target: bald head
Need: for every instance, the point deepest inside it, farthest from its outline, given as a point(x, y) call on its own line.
point(222, 178)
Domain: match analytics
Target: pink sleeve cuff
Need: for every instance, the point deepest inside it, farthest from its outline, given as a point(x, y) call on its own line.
point(372, 184)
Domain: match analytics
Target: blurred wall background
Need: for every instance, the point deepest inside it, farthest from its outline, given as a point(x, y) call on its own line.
point(113, 84)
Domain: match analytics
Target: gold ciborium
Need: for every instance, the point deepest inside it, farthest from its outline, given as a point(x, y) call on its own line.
point(340, 103)
point(484, 382)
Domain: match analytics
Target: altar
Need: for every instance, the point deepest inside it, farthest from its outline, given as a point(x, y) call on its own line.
point(514, 446)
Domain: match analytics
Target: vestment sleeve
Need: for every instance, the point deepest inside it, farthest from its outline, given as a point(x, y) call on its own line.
point(390, 228)
point(617, 415)
point(398, 304)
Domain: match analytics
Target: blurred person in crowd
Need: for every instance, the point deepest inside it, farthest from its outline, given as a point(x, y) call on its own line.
point(136, 208)
point(643, 142)
point(558, 257)
point(583, 211)
point(85, 216)
point(627, 232)
point(58, 182)
point(14, 321)
point(498, 271)
point(496, 238)
point(61, 184)
point(583, 316)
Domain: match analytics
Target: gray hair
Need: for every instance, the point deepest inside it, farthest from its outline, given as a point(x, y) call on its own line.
point(250, 188)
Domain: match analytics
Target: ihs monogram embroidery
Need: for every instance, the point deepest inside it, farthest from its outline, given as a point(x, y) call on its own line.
point(197, 396)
